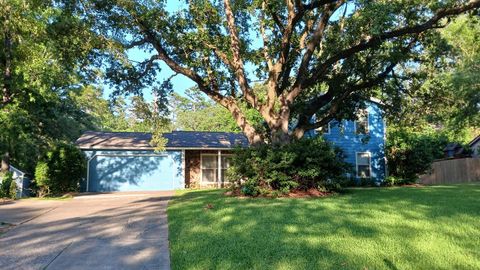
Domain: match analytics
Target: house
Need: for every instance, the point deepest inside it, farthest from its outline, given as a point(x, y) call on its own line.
point(125, 161)
point(21, 180)
point(362, 142)
point(456, 150)
point(475, 146)
point(453, 150)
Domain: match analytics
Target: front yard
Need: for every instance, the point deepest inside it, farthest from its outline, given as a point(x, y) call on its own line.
point(380, 228)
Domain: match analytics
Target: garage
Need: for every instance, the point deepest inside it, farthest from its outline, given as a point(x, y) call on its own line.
point(127, 161)
point(132, 171)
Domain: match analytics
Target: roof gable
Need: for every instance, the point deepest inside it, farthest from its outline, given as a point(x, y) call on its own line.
point(474, 141)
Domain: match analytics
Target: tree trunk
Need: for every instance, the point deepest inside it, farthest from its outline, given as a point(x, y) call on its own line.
point(5, 164)
point(280, 137)
point(254, 138)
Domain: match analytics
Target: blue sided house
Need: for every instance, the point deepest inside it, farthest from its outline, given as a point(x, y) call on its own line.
point(362, 141)
point(126, 161)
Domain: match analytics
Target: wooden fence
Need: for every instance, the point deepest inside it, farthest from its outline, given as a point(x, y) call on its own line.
point(449, 171)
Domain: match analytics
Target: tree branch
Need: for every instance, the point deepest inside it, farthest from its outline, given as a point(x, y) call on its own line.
point(266, 53)
point(318, 3)
point(377, 40)
point(135, 43)
point(311, 47)
point(237, 60)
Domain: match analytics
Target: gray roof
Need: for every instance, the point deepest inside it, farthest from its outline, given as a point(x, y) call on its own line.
point(176, 140)
point(474, 141)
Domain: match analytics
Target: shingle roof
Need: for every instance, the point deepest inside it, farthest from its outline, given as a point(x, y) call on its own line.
point(474, 141)
point(176, 139)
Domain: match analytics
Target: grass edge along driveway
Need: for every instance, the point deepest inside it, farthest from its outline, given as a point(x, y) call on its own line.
point(381, 228)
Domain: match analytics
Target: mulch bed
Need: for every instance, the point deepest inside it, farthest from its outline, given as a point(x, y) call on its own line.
point(411, 185)
point(310, 193)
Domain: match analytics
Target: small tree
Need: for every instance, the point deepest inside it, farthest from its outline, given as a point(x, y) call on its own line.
point(61, 170)
point(411, 153)
point(6, 186)
point(42, 179)
point(12, 192)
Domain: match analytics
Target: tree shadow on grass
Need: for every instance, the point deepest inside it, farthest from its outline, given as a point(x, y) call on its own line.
point(374, 228)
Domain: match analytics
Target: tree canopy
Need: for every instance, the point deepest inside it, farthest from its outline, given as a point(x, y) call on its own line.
point(45, 53)
point(322, 57)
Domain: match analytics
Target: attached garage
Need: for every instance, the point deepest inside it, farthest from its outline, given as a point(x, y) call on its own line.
point(125, 161)
point(133, 171)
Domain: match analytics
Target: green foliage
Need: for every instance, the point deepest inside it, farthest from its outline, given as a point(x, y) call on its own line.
point(6, 184)
point(61, 170)
point(42, 178)
point(303, 164)
point(462, 80)
point(196, 112)
point(45, 53)
point(322, 58)
point(448, 94)
point(12, 191)
point(410, 153)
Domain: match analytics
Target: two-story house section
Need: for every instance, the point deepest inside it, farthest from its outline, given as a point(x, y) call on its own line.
point(362, 141)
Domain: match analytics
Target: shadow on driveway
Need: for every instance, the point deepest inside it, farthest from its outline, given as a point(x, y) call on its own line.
point(107, 231)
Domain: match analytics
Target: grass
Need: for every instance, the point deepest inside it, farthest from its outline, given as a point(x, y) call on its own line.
point(380, 228)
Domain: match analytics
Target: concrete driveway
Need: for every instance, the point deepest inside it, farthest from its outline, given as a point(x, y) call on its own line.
point(101, 231)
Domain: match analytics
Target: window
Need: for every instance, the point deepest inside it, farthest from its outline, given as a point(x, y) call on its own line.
point(324, 129)
point(363, 165)
point(225, 165)
point(361, 125)
point(209, 168)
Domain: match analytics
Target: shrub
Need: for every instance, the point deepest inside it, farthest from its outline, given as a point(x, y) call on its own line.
point(411, 153)
point(302, 164)
point(5, 186)
point(12, 194)
point(60, 171)
point(42, 179)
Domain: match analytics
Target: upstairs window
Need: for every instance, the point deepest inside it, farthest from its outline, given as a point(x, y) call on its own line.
point(363, 165)
point(361, 125)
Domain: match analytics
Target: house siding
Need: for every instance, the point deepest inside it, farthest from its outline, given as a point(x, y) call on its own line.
point(344, 136)
point(129, 170)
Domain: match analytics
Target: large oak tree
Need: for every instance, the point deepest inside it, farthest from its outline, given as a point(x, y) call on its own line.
point(316, 57)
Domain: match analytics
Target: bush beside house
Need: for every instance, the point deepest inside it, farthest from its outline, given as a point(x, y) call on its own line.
point(60, 171)
point(300, 165)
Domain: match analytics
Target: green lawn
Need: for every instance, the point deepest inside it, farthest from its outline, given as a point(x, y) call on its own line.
point(379, 228)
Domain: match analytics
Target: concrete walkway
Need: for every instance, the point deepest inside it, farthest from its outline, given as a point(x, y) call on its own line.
point(103, 231)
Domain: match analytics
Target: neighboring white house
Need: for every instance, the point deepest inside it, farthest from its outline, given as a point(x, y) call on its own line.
point(21, 180)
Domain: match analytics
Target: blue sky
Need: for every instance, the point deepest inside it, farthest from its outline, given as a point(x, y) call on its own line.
point(180, 82)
